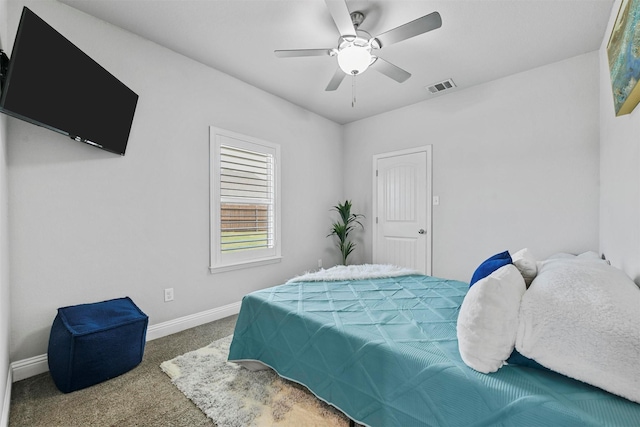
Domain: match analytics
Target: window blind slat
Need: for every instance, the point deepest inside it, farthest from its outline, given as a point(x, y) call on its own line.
point(246, 180)
point(231, 152)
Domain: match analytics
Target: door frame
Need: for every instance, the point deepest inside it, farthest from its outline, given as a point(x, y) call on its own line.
point(428, 226)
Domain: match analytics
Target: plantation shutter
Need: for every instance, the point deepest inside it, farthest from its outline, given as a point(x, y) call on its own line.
point(246, 199)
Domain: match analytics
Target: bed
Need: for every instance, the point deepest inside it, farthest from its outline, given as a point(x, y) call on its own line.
point(383, 348)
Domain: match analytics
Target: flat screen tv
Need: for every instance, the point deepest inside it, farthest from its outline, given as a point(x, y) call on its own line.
point(51, 83)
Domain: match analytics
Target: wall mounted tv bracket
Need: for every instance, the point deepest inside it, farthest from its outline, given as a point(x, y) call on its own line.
point(4, 67)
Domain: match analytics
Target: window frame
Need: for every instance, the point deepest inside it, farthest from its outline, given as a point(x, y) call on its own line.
point(220, 261)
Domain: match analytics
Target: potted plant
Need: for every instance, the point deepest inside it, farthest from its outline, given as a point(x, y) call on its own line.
point(343, 227)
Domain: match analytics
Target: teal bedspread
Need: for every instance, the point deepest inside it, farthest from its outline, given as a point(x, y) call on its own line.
point(384, 351)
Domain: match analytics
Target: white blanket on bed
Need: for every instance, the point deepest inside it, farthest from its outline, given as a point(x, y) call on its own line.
point(354, 272)
point(582, 319)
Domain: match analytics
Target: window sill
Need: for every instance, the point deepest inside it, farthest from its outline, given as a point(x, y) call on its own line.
point(244, 264)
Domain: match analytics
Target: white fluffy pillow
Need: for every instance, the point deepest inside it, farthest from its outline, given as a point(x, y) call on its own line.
point(589, 255)
point(581, 317)
point(526, 264)
point(488, 319)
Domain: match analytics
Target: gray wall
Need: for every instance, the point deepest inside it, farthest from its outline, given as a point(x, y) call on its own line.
point(515, 164)
point(5, 312)
point(87, 225)
point(619, 175)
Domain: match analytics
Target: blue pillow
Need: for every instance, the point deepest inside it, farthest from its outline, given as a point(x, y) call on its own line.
point(490, 265)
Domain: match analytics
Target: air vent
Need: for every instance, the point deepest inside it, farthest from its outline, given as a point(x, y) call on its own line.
point(441, 86)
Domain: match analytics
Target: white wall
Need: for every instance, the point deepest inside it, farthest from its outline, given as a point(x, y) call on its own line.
point(619, 174)
point(4, 245)
point(515, 164)
point(87, 225)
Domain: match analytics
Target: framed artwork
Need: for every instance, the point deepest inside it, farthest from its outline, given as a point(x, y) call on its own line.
point(623, 51)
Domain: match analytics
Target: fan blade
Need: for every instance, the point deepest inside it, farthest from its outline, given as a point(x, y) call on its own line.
point(341, 16)
point(410, 29)
point(390, 70)
point(336, 80)
point(291, 53)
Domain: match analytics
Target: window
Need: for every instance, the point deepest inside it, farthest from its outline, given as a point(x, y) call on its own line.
point(245, 211)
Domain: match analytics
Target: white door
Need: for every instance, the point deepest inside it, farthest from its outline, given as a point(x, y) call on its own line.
point(402, 209)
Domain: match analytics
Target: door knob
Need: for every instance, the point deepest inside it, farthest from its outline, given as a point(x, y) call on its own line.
point(421, 231)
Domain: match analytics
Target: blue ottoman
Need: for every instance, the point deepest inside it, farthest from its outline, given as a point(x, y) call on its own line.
point(91, 343)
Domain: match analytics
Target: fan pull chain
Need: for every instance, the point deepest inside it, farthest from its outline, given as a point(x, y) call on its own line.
point(353, 91)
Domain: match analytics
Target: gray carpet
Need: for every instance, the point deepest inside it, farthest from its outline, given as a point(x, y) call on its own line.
point(143, 396)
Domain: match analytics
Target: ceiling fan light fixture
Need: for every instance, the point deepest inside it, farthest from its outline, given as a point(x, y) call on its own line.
point(354, 59)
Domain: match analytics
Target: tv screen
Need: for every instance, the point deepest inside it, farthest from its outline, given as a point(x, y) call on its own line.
point(50, 82)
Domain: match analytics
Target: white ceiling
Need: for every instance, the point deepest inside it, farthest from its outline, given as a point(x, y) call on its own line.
point(479, 41)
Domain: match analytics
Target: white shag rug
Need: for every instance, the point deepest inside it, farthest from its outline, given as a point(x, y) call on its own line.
point(233, 396)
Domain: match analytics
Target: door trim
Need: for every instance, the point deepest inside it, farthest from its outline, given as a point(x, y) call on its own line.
point(429, 150)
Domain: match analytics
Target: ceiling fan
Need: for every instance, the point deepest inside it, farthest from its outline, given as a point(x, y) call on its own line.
point(357, 50)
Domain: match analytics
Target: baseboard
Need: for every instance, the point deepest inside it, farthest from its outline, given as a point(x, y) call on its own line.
point(30, 367)
point(178, 325)
point(4, 415)
point(26, 368)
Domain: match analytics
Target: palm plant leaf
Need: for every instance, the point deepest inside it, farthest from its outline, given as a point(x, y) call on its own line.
point(341, 230)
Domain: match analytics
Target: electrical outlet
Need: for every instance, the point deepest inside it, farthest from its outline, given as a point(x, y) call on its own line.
point(168, 294)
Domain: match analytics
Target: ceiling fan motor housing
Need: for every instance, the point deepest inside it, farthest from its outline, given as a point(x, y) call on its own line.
point(356, 18)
